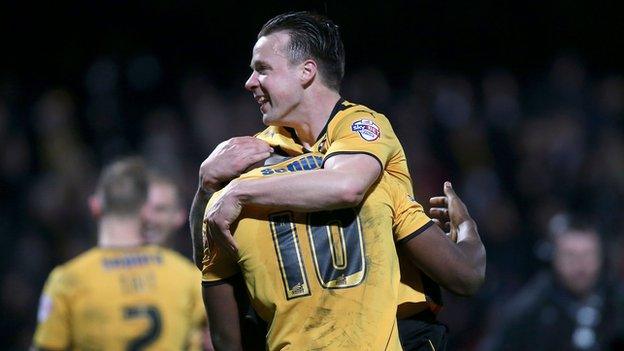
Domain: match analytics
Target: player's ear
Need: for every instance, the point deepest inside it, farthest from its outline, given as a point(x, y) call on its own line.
point(308, 72)
point(95, 205)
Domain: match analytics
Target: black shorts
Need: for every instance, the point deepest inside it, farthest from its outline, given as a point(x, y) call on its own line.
point(422, 332)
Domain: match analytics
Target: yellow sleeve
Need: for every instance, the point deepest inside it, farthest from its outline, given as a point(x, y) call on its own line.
point(217, 264)
point(53, 319)
point(362, 131)
point(410, 218)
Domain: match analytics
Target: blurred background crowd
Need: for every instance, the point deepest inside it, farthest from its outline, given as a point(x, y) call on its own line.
point(523, 142)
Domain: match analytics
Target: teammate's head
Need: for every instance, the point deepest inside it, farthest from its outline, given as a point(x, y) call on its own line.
point(122, 188)
point(293, 51)
point(164, 213)
point(577, 258)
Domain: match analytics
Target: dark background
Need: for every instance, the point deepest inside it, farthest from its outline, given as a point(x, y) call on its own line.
point(52, 43)
point(520, 103)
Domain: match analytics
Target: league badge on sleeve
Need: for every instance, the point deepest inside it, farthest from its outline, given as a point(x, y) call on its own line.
point(367, 129)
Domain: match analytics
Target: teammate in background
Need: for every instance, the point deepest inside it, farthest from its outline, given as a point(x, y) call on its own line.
point(123, 294)
point(298, 63)
point(164, 212)
point(164, 216)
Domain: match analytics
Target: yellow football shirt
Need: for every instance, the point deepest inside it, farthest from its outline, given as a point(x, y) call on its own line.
point(323, 280)
point(354, 128)
point(144, 298)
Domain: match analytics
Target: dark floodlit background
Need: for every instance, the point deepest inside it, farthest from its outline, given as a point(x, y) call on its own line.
point(519, 103)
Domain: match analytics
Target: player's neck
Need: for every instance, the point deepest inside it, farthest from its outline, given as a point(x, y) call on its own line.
point(315, 111)
point(119, 232)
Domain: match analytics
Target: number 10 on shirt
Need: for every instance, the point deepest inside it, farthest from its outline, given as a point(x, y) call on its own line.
point(337, 249)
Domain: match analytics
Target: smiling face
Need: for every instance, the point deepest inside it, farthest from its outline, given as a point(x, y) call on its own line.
point(275, 81)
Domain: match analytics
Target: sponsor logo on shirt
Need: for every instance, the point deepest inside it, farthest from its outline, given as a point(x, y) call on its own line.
point(127, 261)
point(367, 129)
point(303, 164)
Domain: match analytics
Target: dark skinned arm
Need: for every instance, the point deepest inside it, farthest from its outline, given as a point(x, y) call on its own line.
point(458, 267)
point(223, 314)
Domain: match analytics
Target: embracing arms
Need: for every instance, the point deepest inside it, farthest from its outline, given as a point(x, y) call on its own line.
point(227, 161)
point(342, 182)
point(457, 266)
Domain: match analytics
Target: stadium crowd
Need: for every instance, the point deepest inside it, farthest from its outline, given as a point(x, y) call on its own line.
point(520, 150)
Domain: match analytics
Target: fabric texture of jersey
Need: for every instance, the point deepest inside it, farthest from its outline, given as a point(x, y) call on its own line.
point(144, 298)
point(323, 280)
point(354, 128)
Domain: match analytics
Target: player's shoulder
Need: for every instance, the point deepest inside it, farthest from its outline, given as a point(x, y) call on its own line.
point(70, 273)
point(82, 262)
point(349, 112)
point(348, 108)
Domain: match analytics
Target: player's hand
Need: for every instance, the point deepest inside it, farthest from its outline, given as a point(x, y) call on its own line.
point(449, 211)
point(230, 159)
point(219, 219)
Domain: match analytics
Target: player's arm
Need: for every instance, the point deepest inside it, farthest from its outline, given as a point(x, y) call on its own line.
point(342, 182)
point(226, 162)
point(223, 314)
point(458, 267)
point(196, 215)
point(230, 159)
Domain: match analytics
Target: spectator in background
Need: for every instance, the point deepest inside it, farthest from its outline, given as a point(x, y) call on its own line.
point(164, 210)
point(570, 307)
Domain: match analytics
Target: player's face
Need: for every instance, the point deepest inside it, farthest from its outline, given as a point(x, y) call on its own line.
point(163, 215)
point(577, 262)
point(274, 82)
